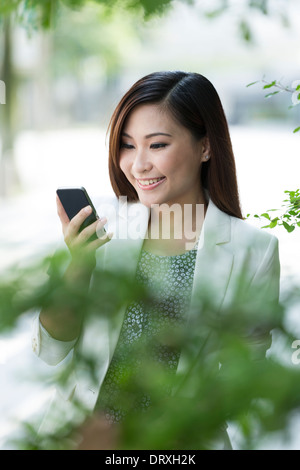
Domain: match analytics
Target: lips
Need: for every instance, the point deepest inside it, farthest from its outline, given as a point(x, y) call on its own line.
point(150, 183)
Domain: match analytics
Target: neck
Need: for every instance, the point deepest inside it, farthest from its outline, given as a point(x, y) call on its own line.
point(177, 221)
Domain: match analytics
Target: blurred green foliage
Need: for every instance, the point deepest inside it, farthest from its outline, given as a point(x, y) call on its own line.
point(225, 381)
point(89, 39)
point(245, 11)
point(293, 90)
point(43, 14)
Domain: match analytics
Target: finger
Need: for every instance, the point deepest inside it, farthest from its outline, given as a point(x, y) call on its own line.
point(100, 230)
point(94, 228)
point(95, 244)
point(78, 220)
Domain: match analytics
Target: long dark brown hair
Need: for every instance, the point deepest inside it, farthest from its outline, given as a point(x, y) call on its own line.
point(191, 100)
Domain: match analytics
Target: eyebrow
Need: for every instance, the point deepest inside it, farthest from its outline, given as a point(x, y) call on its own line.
point(154, 134)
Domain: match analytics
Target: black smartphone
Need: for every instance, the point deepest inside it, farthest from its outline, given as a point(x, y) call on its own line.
point(75, 199)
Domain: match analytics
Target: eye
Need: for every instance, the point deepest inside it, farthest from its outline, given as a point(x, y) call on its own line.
point(126, 146)
point(158, 146)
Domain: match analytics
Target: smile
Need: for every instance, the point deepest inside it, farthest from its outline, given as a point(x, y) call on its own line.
point(150, 183)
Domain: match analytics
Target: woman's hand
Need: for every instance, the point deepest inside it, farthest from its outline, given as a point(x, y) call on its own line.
point(79, 243)
point(64, 323)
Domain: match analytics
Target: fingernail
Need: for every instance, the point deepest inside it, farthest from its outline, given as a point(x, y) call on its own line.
point(88, 209)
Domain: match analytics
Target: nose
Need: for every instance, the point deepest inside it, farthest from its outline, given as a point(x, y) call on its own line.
point(141, 163)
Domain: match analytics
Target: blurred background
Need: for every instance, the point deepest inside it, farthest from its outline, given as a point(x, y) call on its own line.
point(64, 68)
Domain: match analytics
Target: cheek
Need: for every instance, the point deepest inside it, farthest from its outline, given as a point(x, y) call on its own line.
point(124, 164)
point(185, 169)
point(169, 163)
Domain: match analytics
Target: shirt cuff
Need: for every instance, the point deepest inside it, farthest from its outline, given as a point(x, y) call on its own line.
point(49, 349)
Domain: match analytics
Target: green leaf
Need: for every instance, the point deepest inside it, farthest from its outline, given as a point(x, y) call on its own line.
point(288, 227)
point(271, 94)
point(274, 222)
point(261, 5)
point(246, 31)
point(215, 13)
point(266, 215)
point(269, 85)
point(296, 130)
point(252, 83)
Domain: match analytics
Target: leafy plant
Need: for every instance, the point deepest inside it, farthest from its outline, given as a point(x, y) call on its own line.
point(289, 217)
point(245, 390)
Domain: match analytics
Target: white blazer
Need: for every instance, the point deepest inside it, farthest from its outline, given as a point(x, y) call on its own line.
point(228, 249)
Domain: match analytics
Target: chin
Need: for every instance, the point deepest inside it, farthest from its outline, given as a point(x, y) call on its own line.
point(148, 201)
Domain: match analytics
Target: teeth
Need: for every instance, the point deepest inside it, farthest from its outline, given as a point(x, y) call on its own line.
point(148, 182)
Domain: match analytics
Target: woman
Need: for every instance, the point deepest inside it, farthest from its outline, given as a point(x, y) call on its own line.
point(170, 154)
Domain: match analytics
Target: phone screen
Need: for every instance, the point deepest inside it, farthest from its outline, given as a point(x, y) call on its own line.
point(75, 199)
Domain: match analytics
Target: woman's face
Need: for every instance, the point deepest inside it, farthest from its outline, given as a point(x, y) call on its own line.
point(160, 158)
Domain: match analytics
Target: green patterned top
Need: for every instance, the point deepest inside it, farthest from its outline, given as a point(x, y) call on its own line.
point(146, 330)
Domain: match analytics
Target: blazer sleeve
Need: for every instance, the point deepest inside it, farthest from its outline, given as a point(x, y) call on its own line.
point(47, 348)
point(264, 297)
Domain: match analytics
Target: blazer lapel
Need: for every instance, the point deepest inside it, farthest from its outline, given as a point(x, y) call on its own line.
point(214, 257)
point(213, 268)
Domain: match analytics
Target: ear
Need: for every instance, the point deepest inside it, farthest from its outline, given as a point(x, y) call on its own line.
point(205, 149)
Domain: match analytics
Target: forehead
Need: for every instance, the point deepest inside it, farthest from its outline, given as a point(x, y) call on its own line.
point(150, 118)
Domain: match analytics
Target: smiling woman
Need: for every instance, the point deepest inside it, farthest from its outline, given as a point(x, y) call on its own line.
point(170, 153)
point(153, 162)
point(186, 106)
